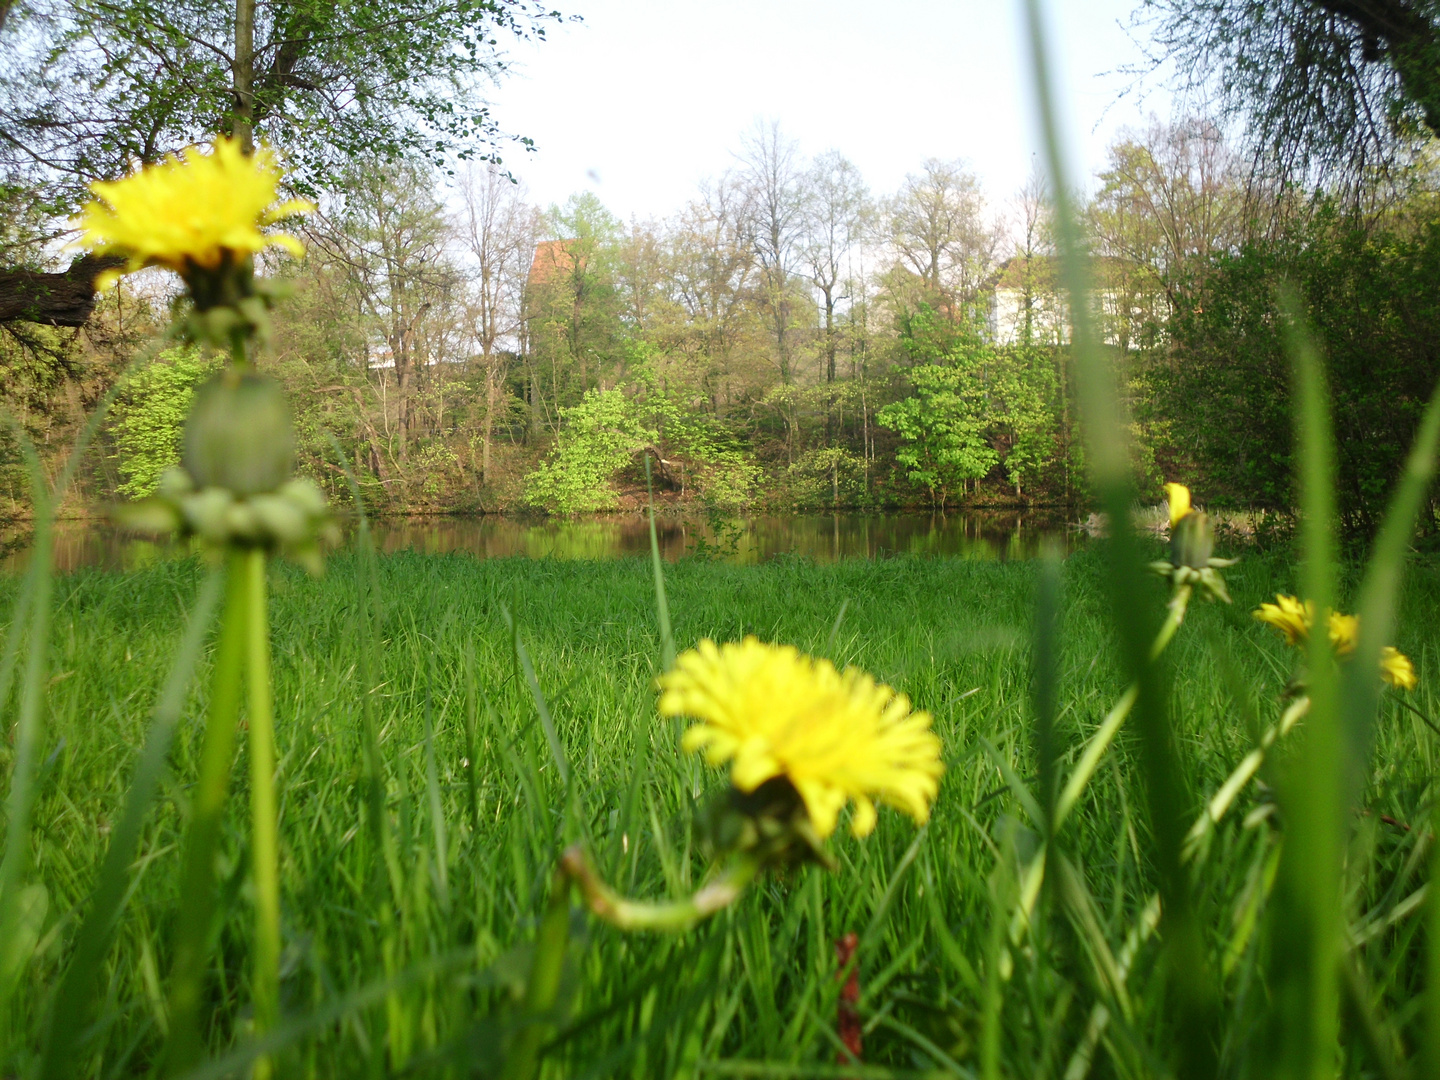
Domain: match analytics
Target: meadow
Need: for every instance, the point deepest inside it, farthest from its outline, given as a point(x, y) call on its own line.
point(445, 726)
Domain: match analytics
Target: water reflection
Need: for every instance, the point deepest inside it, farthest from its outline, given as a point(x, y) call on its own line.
point(822, 537)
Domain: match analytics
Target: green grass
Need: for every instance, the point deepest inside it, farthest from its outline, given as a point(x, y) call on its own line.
point(442, 894)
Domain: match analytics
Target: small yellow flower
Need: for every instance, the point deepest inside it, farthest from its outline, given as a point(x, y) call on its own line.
point(191, 210)
point(835, 736)
point(1396, 668)
point(1294, 620)
point(1344, 632)
point(1289, 616)
point(1178, 496)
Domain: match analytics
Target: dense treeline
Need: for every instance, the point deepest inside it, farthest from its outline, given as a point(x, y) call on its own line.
point(790, 338)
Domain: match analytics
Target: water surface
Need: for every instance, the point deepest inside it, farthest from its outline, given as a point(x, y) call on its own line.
point(821, 537)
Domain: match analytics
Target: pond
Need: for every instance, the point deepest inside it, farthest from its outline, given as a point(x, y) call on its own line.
point(822, 537)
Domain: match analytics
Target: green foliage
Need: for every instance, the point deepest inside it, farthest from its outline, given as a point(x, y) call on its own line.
point(600, 436)
point(943, 423)
point(1225, 391)
point(89, 88)
point(1025, 394)
point(147, 418)
point(827, 475)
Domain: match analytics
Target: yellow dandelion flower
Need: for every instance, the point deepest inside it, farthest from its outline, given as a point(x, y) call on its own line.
point(1178, 496)
point(1344, 632)
point(191, 210)
point(836, 736)
point(1294, 620)
point(1289, 616)
point(1396, 668)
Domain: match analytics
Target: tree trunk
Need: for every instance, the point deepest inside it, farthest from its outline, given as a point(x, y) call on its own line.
point(488, 428)
point(63, 299)
point(244, 75)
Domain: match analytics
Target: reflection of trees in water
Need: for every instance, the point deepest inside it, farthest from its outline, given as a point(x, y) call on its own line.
point(822, 537)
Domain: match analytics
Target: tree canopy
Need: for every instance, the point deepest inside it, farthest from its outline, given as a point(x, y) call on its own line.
point(1334, 85)
point(87, 87)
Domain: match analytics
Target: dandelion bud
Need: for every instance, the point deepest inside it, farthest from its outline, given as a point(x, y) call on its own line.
point(1192, 540)
point(239, 436)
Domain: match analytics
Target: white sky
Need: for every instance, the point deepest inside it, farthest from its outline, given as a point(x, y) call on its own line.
point(646, 98)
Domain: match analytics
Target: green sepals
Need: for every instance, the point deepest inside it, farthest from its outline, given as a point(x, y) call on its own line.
point(293, 521)
point(227, 304)
point(770, 824)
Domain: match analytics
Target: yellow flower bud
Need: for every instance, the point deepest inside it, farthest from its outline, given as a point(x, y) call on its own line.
point(1178, 496)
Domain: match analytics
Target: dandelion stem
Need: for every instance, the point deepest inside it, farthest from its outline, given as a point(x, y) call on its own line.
point(672, 915)
point(197, 910)
point(263, 839)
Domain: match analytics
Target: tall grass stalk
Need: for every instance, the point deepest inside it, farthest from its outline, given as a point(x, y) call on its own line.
point(264, 838)
point(196, 915)
point(1190, 984)
point(1305, 916)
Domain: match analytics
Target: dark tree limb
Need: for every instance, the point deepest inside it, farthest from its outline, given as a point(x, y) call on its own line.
point(63, 299)
point(1411, 44)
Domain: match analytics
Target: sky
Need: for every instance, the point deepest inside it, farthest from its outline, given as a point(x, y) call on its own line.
point(645, 99)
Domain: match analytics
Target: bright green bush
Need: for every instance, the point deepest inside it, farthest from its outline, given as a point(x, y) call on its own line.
point(149, 414)
point(599, 437)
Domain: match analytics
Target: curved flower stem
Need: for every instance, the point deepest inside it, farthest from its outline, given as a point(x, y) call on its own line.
point(263, 833)
point(1115, 719)
point(197, 911)
point(522, 1062)
point(672, 915)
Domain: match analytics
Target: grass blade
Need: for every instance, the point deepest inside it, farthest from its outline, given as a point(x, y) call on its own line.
point(1305, 911)
point(1194, 997)
point(70, 1011)
point(662, 605)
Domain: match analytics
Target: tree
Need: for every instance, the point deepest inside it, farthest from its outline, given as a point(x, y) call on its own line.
point(712, 268)
point(943, 424)
point(1170, 200)
point(937, 227)
point(601, 435)
point(772, 178)
point(572, 318)
point(499, 230)
point(1341, 85)
point(87, 87)
point(836, 211)
point(392, 240)
point(942, 429)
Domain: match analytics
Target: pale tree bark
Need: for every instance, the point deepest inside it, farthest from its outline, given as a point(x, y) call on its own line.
point(772, 179)
point(499, 230)
point(836, 211)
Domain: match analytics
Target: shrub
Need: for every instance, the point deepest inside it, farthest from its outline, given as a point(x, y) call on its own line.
point(149, 415)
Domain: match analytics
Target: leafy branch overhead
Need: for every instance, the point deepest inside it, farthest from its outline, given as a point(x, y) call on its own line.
point(87, 87)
